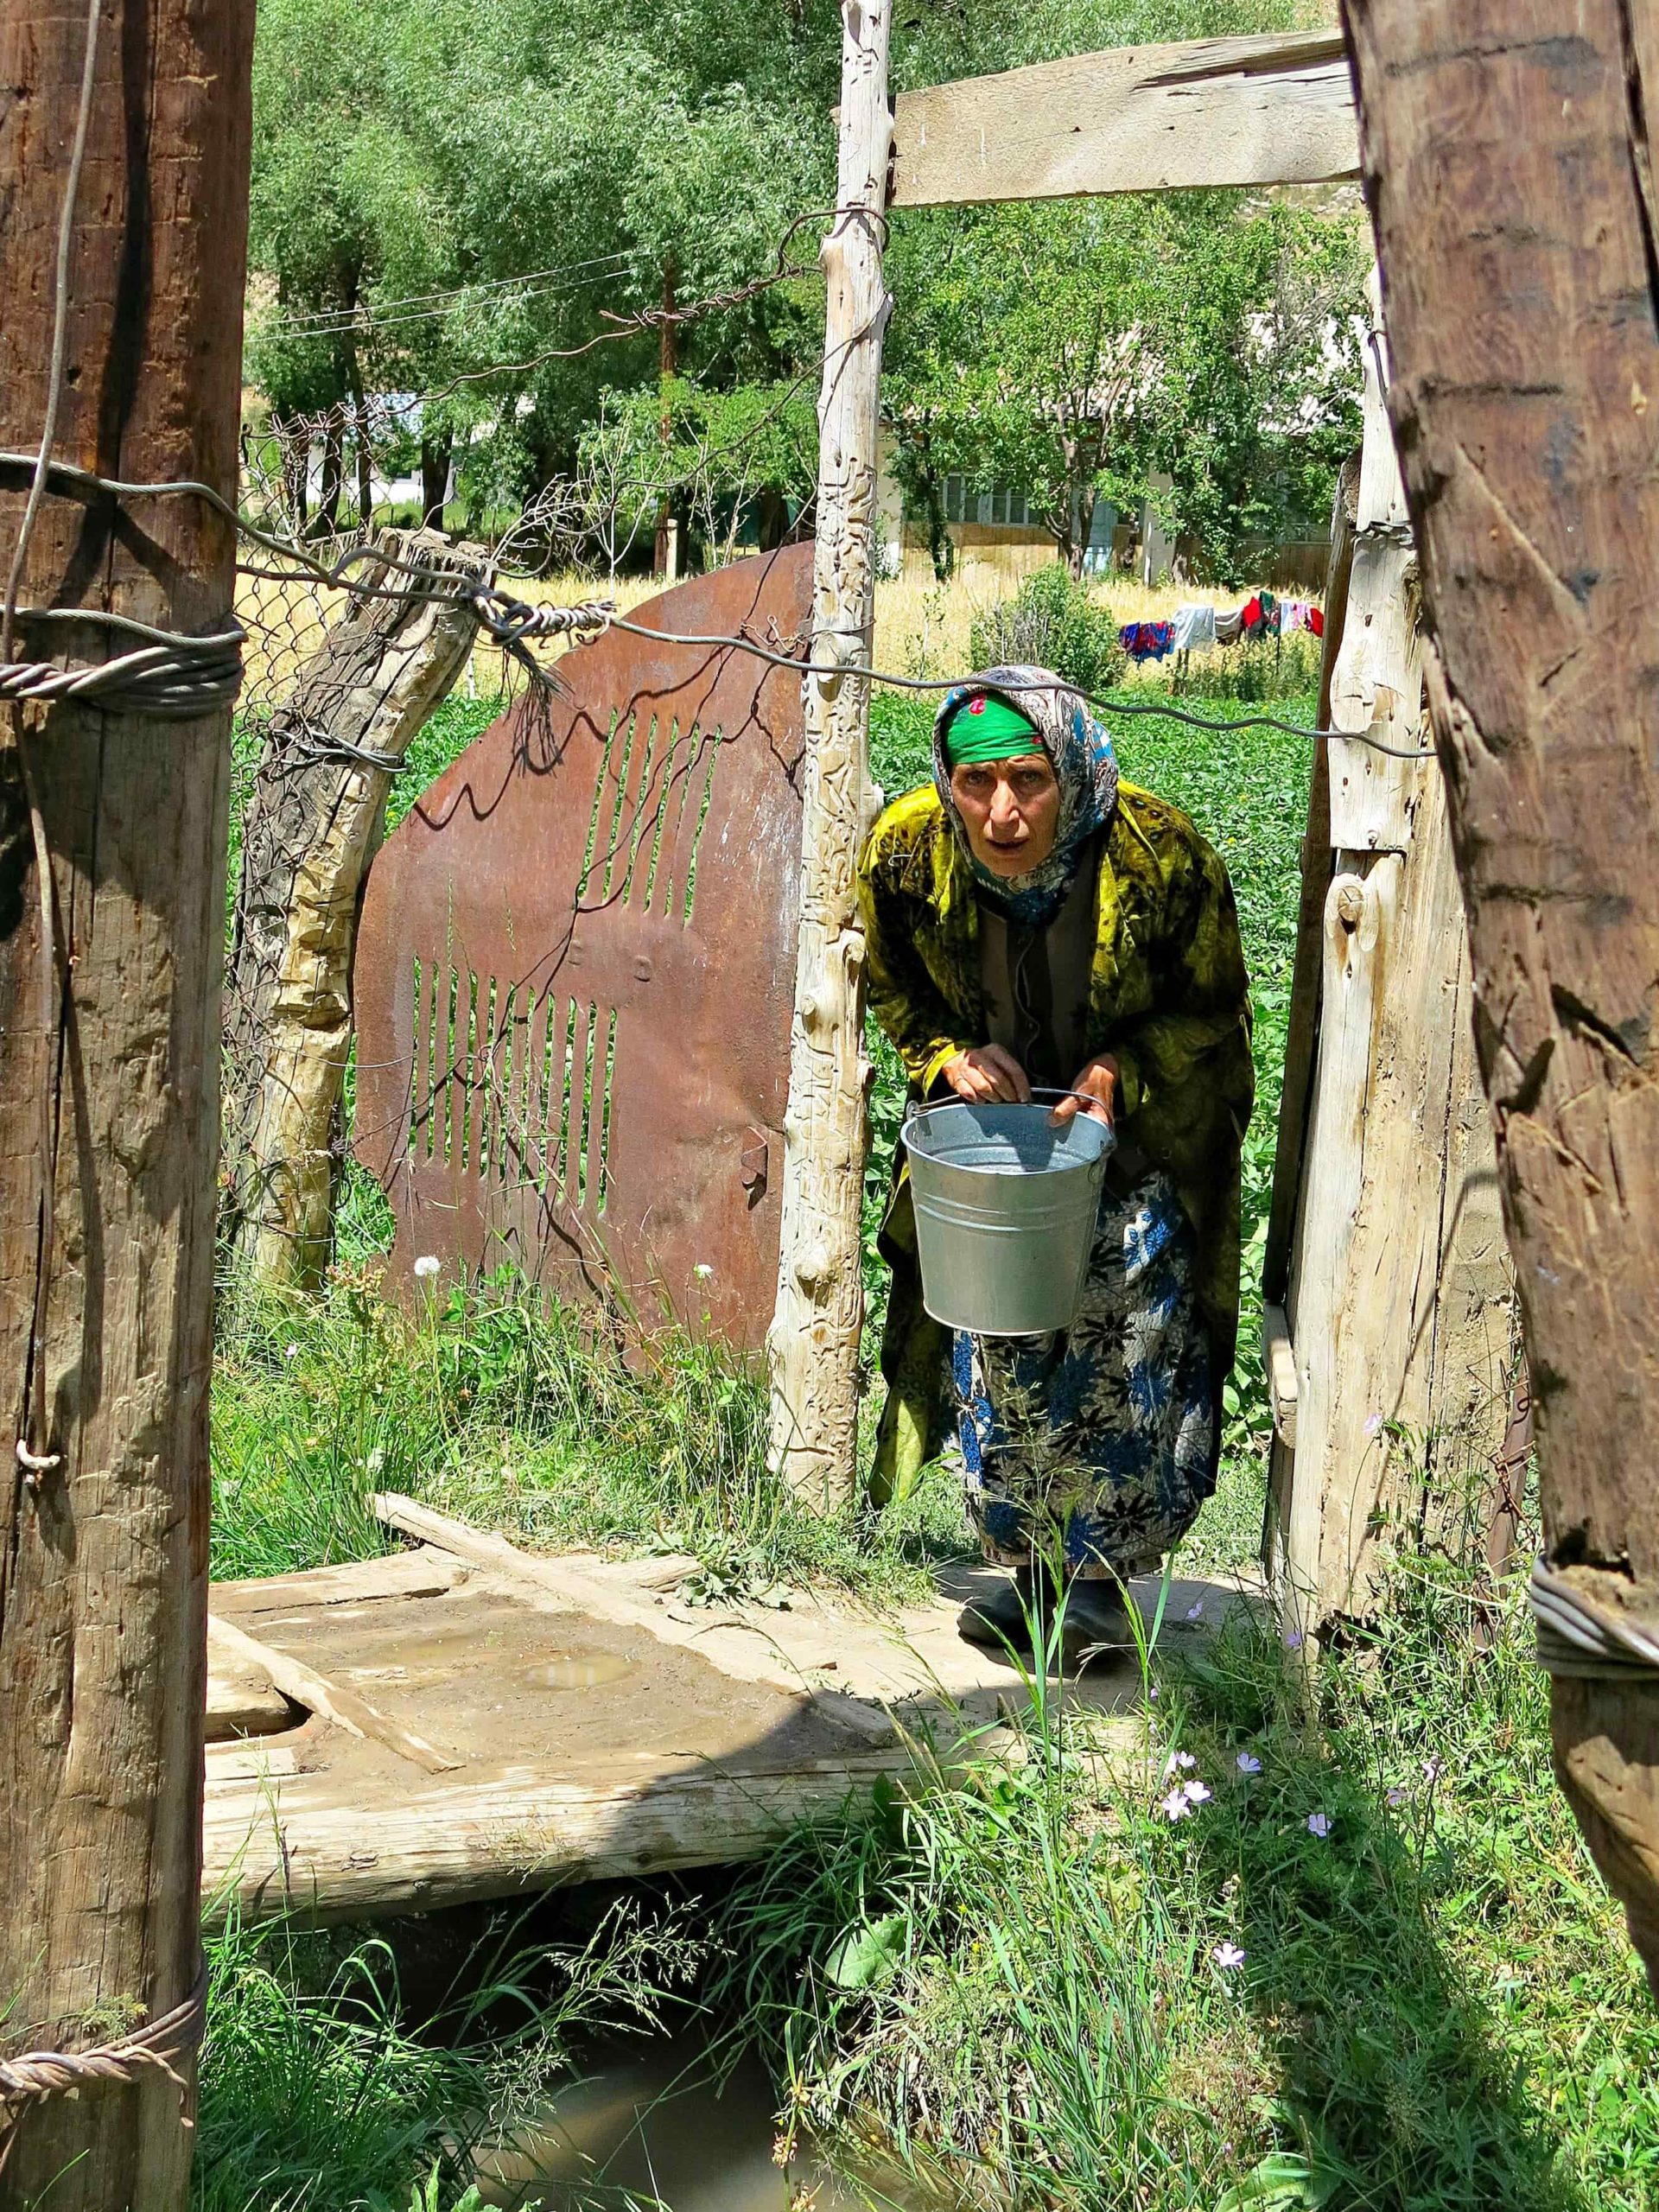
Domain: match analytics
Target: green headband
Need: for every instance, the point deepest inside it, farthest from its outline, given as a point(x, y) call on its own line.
point(983, 729)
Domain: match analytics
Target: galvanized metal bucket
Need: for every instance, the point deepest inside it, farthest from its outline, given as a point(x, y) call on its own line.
point(1005, 1205)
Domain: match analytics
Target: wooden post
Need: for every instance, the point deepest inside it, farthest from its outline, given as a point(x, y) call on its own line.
point(312, 829)
point(104, 1546)
point(1509, 168)
point(814, 1339)
point(1396, 1306)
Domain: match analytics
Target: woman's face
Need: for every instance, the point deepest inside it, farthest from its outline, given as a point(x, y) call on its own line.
point(1012, 809)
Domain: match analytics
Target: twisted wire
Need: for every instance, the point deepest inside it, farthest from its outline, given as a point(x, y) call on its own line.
point(155, 2048)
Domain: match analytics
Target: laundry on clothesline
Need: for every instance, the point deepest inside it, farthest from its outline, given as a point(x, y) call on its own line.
point(1300, 614)
point(1147, 640)
point(1194, 625)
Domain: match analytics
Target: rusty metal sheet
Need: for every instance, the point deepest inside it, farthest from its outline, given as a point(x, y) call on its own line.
point(576, 967)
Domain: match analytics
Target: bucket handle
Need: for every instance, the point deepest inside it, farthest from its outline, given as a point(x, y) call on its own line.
point(1039, 1091)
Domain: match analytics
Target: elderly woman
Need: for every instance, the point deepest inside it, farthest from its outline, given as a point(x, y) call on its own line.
point(1031, 922)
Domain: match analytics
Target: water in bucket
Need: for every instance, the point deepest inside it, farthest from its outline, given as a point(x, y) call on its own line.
point(1005, 1205)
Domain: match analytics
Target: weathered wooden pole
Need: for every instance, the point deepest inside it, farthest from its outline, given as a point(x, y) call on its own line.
point(1509, 168)
point(815, 1333)
point(312, 828)
point(1390, 1351)
point(104, 1523)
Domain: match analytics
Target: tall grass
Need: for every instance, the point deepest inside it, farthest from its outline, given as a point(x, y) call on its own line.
point(1368, 1965)
point(489, 1403)
point(324, 2089)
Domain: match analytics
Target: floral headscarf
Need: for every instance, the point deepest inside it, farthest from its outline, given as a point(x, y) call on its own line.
point(1085, 768)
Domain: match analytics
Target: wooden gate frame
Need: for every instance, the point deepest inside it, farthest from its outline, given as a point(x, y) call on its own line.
point(1386, 1249)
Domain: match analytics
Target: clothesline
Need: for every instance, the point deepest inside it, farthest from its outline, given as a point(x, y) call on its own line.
point(1197, 625)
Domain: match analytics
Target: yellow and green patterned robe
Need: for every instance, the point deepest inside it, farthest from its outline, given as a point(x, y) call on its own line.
point(1167, 997)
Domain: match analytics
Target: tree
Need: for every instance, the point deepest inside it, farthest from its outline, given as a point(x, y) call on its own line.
point(1072, 350)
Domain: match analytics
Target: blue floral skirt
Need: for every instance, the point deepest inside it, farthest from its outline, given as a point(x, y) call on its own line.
point(1098, 1440)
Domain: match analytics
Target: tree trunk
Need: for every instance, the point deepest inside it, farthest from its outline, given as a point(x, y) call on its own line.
point(313, 825)
point(332, 477)
point(1508, 173)
point(667, 368)
point(815, 1333)
point(435, 454)
point(294, 440)
point(104, 1541)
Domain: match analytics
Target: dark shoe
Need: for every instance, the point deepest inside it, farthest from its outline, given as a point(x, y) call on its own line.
point(1096, 1624)
point(1002, 1620)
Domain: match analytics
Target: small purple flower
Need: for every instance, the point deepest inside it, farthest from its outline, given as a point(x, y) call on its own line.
point(1319, 1824)
point(1373, 1422)
point(1248, 1762)
point(1179, 1760)
point(1227, 1956)
point(1196, 1612)
point(1294, 1640)
point(1396, 1796)
point(1197, 1792)
point(1174, 1806)
point(1431, 1771)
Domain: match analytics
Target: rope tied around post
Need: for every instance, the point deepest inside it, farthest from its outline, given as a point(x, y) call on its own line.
point(35, 2075)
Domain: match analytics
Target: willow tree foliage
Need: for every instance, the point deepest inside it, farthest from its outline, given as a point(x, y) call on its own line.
point(459, 205)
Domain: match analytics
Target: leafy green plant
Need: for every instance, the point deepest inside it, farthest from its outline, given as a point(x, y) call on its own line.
point(1052, 621)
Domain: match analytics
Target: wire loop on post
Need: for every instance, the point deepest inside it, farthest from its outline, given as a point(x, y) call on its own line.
point(1579, 1640)
point(35, 2075)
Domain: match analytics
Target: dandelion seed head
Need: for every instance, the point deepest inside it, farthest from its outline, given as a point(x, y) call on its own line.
point(703, 1271)
point(427, 1266)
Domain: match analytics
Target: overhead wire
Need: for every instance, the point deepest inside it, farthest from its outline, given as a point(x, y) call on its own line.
point(298, 318)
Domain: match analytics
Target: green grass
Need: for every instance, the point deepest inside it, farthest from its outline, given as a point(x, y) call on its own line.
point(501, 1409)
point(1016, 1981)
point(326, 2088)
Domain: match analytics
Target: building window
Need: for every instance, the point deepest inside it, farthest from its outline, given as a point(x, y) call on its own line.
point(999, 508)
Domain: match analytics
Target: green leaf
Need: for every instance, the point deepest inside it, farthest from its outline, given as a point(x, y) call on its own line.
point(866, 1956)
point(1283, 2182)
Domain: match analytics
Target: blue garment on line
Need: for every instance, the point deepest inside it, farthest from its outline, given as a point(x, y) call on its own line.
point(1101, 1436)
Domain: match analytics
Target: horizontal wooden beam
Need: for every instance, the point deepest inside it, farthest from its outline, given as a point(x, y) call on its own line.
point(1147, 119)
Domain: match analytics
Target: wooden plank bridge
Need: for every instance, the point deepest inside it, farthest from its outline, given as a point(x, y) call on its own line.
point(463, 1720)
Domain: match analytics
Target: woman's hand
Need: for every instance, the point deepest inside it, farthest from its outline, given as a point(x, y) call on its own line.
point(1098, 1080)
point(986, 1076)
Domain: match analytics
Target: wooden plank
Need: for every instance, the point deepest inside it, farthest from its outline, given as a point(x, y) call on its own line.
point(818, 1324)
point(1302, 1029)
point(738, 1652)
point(301, 1840)
point(1511, 183)
point(318, 1694)
point(1279, 1357)
point(114, 822)
point(1278, 110)
point(242, 1699)
point(422, 1573)
point(1378, 683)
point(320, 1843)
